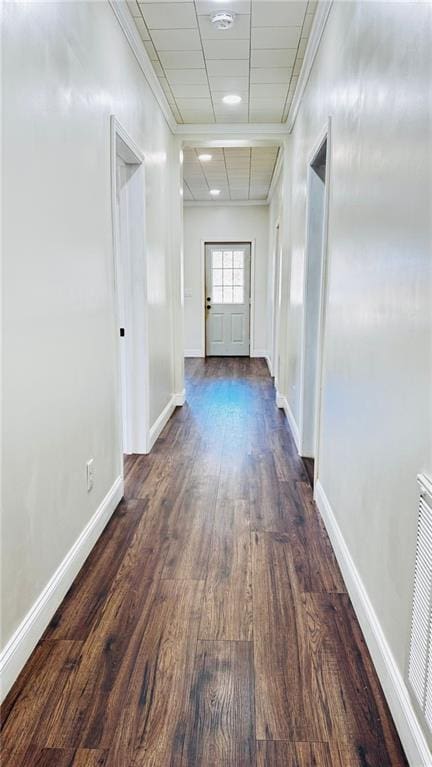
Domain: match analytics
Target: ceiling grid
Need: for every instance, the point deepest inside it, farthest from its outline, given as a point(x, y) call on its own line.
point(258, 58)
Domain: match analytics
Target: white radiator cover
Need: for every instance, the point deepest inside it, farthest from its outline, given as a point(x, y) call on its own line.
point(420, 658)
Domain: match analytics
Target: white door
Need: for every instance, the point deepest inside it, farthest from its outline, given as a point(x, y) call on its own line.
point(227, 299)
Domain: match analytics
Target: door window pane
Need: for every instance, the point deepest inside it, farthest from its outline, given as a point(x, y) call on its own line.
point(238, 277)
point(217, 295)
point(228, 259)
point(217, 277)
point(227, 277)
point(238, 259)
point(237, 295)
point(217, 259)
point(227, 295)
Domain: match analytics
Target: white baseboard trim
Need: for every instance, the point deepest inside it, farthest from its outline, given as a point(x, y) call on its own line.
point(262, 353)
point(162, 420)
point(180, 398)
point(395, 690)
point(194, 353)
point(269, 365)
point(282, 402)
point(22, 643)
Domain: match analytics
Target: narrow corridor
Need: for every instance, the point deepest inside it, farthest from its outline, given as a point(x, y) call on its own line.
point(210, 625)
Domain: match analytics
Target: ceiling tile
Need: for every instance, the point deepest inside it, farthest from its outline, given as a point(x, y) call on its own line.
point(226, 49)
point(268, 75)
point(187, 76)
point(176, 39)
point(270, 38)
point(268, 91)
point(276, 58)
point(209, 6)
point(274, 13)
point(238, 67)
point(190, 91)
point(181, 59)
point(240, 30)
point(200, 104)
point(169, 15)
point(229, 84)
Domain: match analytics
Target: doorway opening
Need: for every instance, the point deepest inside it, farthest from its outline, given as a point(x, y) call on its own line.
point(227, 299)
point(130, 287)
point(276, 306)
point(313, 303)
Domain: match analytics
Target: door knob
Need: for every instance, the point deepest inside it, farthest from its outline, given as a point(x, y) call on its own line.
point(208, 306)
point(208, 298)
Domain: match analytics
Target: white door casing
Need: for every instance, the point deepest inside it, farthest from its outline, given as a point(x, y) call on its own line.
point(227, 304)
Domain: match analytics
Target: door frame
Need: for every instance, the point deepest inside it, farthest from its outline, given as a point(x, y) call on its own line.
point(137, 349)
point(324, 135)
point(226, 241)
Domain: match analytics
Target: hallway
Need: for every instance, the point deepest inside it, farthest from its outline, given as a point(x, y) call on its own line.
point(210, 625)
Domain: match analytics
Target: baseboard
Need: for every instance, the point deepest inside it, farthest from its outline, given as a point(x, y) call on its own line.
point(269, 365)
point(282, 402)
point(194, 353)
point(180, 398)
point(395, 690)
point(24, 640)
point(262, 353)
point(162, 420)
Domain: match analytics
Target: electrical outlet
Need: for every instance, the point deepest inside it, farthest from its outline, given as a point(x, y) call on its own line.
point(90, 474)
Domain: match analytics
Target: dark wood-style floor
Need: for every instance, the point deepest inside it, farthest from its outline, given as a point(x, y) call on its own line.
point(210, 625)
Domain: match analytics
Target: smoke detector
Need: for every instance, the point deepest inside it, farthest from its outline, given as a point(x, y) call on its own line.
point(222, 19)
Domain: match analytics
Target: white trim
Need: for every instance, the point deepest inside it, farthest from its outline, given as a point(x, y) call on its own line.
point(395, 690)
point(323, 135)
point(137, 359)
point(318, 26)
point(268, 361)
point(126, 21)
point(223, 204)
point(276, 174)
point(162, 420)
point(259, 353)
point(27, 635)
point(258, 131)
point(282, 403)
point(194, 353)
point(179, 398)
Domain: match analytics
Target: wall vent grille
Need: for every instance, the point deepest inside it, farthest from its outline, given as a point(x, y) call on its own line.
point(420, 659)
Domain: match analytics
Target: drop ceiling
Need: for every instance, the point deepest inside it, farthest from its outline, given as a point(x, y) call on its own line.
point(259, 58)
point(238, 173)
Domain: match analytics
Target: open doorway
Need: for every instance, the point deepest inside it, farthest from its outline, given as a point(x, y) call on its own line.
point(227, 299)
point(130, 286)
point(313, 303)
point(276, 306)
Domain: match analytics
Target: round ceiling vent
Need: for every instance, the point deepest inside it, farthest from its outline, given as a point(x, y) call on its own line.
point(222, 19)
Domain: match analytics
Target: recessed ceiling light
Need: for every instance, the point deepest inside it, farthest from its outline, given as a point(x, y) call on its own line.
point(214, 192)
point(232, 99)
point(222, 19)
point(205, 157)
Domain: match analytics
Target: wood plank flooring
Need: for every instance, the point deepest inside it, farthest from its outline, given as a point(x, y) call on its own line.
point(210, 625)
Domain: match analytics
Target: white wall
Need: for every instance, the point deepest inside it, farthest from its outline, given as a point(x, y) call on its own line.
point(66, 68)
point(372, 75)
point(210, 224)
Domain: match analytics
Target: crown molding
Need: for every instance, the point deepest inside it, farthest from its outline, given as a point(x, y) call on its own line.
point(247, 132)
point(276, 174)
point(318, 26)
point(125, 19)
point(222, 204)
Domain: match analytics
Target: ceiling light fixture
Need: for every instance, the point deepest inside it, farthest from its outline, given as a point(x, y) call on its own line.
point(205, 157)
point(232, 99)
point(222, 19)
point(214, 192)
